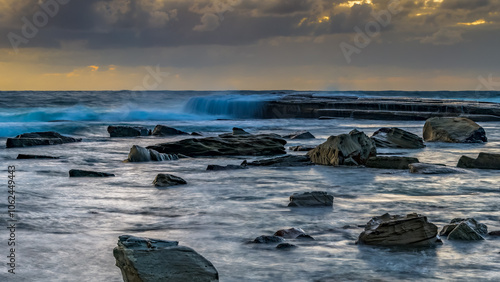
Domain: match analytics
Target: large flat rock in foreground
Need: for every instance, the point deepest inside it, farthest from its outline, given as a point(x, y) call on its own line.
point(151, 260)
point(226, 145)
point(39, 138)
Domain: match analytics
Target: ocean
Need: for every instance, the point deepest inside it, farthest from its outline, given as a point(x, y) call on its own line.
point(67, 227)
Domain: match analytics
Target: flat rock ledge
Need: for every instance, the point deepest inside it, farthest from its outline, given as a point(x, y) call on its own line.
point(151, 260)
point(397, 230)
point(88, 173)
point(483, 161)
point(389, 162)
point(39, 139)
point(311, 199)
point(424, 168)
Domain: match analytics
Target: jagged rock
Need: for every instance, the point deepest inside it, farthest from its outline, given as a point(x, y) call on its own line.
point(227, 167)
point(291, 233)
point(311, 199)
point(264, 239)
point(483, 161)
point(127, 131)
point(301, 148)
point(423, 168)
point(141, 154)
point(288, 160)
point(26, 157)
point(453, 130)
point(166, 180)
point(396, 138)
point(162, 130)
point(284, 246)
point(241, 145)
point(87, 173)
point(467, 229)
point(39, 138)
point(239, 131)
point(395, 230)
point(337, 149)
point(390, 162)
point(299, 135)
point(152, 260)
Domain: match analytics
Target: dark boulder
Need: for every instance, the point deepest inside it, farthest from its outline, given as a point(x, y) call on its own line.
point(87, 173)
point(264, 239)
point(241, 145)
point(390, 162)
point(162, 130)
point(288, 160)
point(397, 138)
point(128, 131)
point(291, 233)
point(285, 246)
point(141, 154)
point(167, 180)
point(494, 233)
point(354, 148)
point(453, 130)
point(396, 230)
point(311, 199)
point(299, 135)
point(227, 167)
point(483, 161)
point(39, 138)
point(466, 229)
point(151, 260)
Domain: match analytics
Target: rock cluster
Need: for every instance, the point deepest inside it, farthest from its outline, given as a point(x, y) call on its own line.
point(39, 138)
point(453, 130)
point(467, 229)
point(354, 148)
point(152, 260)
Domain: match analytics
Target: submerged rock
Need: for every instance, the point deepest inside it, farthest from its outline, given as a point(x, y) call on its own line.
point(87, 173)
point(467, 229)
point(397, 138)
point(128, 131)
point(264, 239)
point(284, 246)
point(483, 161)
point(162, 130)
point(141, 154)
point(239, 131)
point(27, 157)
point(288, 160)
point(152, 260)
point(299, 135)
point(355, 147)
point(227, 167)
point(390, 162)
point(453, 130)
point(311, 199)
point(494, 233)
point(396, 230)
point(423, 168)
point(291, 233)
point(167, 180)
point(301, 148)
point(241, 145)
point(39, 138)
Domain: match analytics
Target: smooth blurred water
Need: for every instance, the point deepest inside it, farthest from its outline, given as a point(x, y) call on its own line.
point(68, 227)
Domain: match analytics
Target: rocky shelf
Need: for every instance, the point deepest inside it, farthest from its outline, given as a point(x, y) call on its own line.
point(380, 108)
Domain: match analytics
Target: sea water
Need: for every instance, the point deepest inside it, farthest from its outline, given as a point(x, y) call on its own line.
point(67, 227)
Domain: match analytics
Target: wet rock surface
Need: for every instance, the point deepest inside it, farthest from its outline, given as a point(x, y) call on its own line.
point(301, 148)
point(397, 138)
point(299, 135)
point(389, 162)
point(288, 160)
point(151, 260)
point(141, 154)
point(354, 148)
point(240, 145)
point(167, 180)
point(226, 167)
point(127, 131)
point(397, 230)
point(483, 161)
point(453, 130)
point(466, 229)
point(162, 130)
point(27, 157)
point(39, 139)
point(265, 239)
point(423, 168)
point(311, 199)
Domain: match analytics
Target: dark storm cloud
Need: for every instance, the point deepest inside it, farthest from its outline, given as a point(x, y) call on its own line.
point(466, 5)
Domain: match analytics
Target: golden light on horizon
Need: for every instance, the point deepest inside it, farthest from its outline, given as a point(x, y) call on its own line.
point(324, 19)
point(478, 22)
point(359, 2)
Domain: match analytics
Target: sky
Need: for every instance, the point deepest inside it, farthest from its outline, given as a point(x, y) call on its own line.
point(249, 45)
